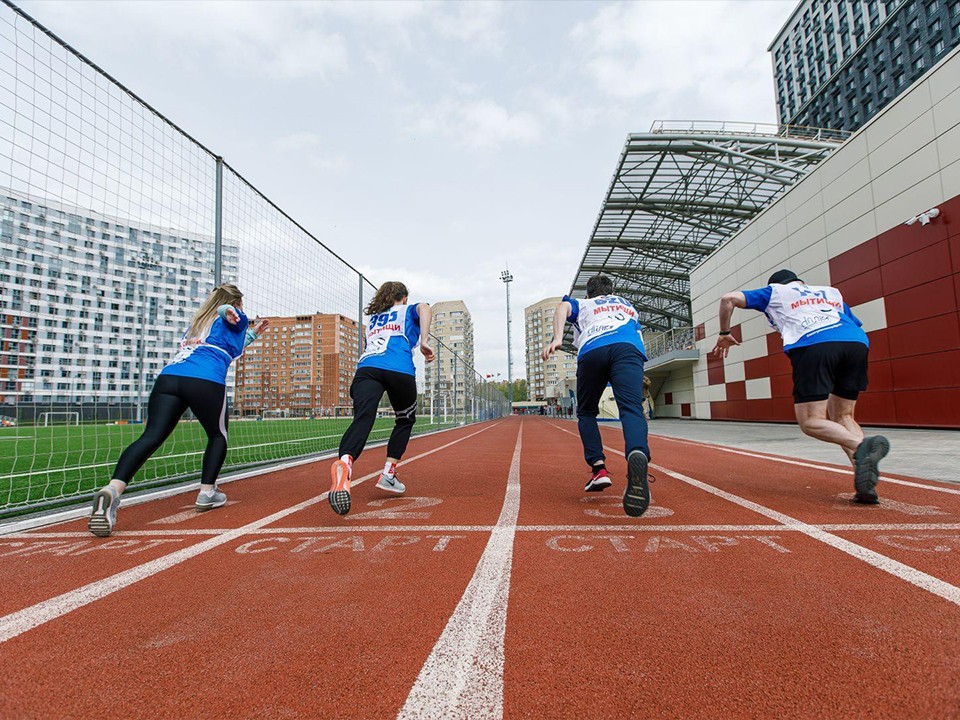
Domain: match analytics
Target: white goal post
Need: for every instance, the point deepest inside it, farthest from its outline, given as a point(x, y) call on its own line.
point(275, 414)
point(59, 418)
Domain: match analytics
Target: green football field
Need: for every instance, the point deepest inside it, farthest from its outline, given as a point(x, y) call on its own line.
point(40, 464)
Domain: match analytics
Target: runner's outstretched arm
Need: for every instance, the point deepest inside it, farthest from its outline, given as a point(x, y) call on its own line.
point(560, 316)
point(725, 340)
point(426, 315)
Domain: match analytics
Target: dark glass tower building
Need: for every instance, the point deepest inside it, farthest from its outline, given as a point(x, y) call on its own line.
point(836, 64)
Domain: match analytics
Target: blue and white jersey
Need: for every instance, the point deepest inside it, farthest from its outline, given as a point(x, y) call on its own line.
point(390, 339)
point(807, 314)
point(209, 358)
point(604, 320)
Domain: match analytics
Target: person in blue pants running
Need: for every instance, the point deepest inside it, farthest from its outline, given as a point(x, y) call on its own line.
point(610, 350)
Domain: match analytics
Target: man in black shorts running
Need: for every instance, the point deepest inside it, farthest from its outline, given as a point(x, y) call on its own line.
point(828, 350)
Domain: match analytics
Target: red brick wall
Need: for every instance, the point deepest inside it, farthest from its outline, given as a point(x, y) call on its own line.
point(914, 360)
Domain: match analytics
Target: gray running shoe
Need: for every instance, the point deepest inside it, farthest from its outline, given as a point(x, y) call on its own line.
point(104, 514)
point(866, 468)
point(636, 499)
point(209, 502)
point(391, 484)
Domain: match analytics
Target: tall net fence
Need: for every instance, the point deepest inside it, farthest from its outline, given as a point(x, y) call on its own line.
point(114, 226)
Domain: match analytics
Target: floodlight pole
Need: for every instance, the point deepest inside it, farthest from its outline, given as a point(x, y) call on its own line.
point(507, 279)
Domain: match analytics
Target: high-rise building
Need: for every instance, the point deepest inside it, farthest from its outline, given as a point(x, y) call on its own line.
point(88, 302)
point(452, 377)
point(836, 64)
point(544, 378)
point(303, 365)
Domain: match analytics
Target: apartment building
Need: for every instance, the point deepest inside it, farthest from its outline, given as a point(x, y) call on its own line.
point(452, 378)
point(544, 379)
point(92, 306)
point(302, 366)
point(837, 64)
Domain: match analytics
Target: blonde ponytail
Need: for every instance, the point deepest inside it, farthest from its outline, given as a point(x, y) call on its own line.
point(202, 320)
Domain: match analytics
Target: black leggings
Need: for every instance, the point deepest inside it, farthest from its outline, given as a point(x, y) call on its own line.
point(170, 398)
point(367, 391)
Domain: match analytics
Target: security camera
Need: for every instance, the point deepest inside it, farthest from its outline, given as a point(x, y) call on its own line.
point(925, 217)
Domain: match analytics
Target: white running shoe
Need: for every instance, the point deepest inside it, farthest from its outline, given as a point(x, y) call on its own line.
point(392, 484)
point(209, 501)
point(104, 514)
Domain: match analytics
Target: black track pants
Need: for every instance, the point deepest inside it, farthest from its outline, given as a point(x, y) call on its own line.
point(172, 395)
point(367, 390)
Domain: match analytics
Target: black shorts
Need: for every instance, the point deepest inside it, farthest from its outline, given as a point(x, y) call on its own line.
point(830, 368)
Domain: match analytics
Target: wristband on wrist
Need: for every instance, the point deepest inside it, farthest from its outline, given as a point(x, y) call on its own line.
point(725, 332)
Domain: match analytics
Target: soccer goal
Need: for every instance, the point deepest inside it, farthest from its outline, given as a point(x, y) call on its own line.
point(275, 414)
point(343, 411)
point(59, 418)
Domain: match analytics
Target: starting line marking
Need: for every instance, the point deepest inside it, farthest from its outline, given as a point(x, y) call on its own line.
point(463, 675)
point(19, 622)
point(347, 530)
point(920, 579)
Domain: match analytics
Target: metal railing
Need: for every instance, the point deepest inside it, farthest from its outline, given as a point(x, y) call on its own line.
point(726, 127)
point(657, 344)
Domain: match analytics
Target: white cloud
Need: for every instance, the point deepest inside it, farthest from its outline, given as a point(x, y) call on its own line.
point(677, 56)
point(478, 124)
point(310, 148)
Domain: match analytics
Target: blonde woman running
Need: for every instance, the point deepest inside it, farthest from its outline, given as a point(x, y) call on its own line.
point(393, 328)
point(195, 379)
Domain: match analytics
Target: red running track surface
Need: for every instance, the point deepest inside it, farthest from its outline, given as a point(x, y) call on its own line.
point(497, 588)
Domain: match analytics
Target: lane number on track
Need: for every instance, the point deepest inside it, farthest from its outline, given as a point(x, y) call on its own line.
point(844, 503)
point(612, 507)
point(398, 508)
point(189, 512)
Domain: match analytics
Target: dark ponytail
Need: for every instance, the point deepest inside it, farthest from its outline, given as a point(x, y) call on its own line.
point(388, 295)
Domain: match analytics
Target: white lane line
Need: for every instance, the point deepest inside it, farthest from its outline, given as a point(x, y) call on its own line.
point(881, 562)
point(463, 675)
point(19, 622)
point(801, 463)
point(896, 568)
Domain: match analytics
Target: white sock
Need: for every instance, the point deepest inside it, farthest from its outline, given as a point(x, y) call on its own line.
point(390, 469)
point(347, 459)
point(207, 489)
point(117, 486)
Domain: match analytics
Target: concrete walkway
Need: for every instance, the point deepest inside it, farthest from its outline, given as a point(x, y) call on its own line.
point(930, 454)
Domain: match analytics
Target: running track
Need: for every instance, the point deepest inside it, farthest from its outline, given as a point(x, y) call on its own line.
point(752, 588)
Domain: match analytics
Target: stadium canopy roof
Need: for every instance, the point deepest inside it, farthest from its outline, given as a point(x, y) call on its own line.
point(679, 191)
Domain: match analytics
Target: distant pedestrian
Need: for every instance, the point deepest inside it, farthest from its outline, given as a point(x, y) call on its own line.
point(828, 350)
point(648, 404)
point(610, 349)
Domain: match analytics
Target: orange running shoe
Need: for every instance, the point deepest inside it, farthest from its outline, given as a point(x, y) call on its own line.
point(339, 495)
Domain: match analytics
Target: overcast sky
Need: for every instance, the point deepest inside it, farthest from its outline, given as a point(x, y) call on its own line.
point(436, 143)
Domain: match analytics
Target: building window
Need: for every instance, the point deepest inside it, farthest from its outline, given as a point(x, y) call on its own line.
point(938, 47)
point(920, 63)
point(933, 7)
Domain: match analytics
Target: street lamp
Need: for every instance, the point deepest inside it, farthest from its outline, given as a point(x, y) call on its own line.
point(507, 279)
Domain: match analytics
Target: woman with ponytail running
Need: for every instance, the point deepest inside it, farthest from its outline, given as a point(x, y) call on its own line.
point(195, 379)
point(392, 329)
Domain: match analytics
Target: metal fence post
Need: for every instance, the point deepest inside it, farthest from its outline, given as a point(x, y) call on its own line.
point(218, 227)
point(360, 317)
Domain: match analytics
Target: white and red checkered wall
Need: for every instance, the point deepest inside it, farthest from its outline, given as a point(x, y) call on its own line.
point(843, 225)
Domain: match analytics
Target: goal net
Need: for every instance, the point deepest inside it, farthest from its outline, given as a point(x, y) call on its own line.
point(59, 418)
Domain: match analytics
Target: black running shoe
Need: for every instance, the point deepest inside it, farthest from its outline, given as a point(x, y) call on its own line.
point(636, 499)
point(866, 468)
point(600, 480)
